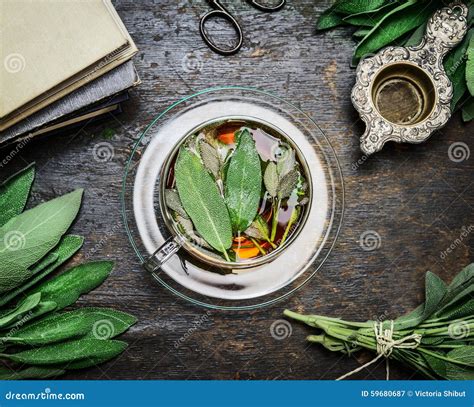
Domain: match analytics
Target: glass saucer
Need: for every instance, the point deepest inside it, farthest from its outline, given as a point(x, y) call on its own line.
point(205, 284)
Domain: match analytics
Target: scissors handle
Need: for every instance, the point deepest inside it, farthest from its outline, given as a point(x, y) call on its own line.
point(261, 7)
point(220, 12)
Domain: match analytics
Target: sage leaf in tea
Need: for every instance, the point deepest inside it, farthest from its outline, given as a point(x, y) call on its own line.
point(288, 184)
point(26, 238)
point(286, 163)
point(68, 352)
point(271, 179)
point(174, 202)
point(243, 183)
point(210, 158)
point(187, 229)
point(259, 229)
point(202, 201)
point(67, 287)
point(66, 248)
point(99, 323)
point(14, 193)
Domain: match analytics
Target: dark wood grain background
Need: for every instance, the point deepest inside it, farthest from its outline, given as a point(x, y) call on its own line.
point(414, 197)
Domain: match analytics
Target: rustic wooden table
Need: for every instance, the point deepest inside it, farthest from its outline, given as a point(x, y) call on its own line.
point(415, 198)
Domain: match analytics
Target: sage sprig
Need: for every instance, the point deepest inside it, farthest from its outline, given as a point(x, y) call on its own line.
point(33, 244)
point(444, 325)
point(386, 22)
point(281, 179)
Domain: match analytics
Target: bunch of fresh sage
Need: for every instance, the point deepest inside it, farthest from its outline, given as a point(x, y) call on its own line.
point(403, 22)
point(37, 338)
point(436, 339)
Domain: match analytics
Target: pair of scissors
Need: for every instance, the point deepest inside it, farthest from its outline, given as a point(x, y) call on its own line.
point(219, 11)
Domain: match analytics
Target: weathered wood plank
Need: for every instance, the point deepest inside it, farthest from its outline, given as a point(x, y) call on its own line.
point(414, 197)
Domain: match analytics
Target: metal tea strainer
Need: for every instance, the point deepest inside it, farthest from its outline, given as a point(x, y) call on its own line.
point(403, 93)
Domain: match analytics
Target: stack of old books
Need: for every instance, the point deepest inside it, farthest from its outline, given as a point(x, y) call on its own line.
point(63, 62)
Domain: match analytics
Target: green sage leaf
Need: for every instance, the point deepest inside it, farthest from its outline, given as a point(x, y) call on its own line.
point(99, 323)
point(68, 352)
point(66, 248)
point(468, 110)
point(66, 288)
point(436, 364)
point(259, 229)
point(288, 184)
point(361, 32)
point(458, 372)
point(243, 183)
point(463, 355)
point(271, 179)
point(14, 193)
point(415, 38)
point(458, 311)
point(457, 55)
point(394, 25)
point(329, 19)
point(202, 201)
point(369, 18)
point(435, 290)
point(357, 6)
point(187, 229)
point(28, 237)
point(470, 66)
point(286, 163)
point(43, 308)
point(13, 315)
point(174, 203)
point(210, 158)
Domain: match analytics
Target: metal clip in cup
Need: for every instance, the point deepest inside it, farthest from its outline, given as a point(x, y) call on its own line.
point(403, 93)
point(161, 255)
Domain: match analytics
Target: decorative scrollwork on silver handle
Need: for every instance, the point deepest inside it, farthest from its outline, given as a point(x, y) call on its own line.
point(414, 71)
